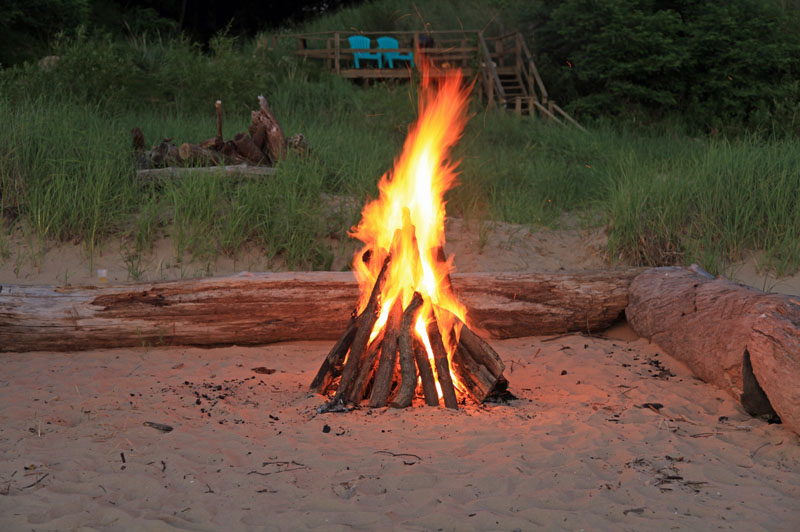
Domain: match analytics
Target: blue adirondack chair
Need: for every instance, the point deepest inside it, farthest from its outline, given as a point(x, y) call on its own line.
point(359, 42)
point(390, 43)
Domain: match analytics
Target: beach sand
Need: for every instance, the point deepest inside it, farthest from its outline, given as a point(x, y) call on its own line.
point(606, 434)
point(580, 449)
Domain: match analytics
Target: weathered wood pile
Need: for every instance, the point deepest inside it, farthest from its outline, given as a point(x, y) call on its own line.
point(387, 369)
point(262, 146)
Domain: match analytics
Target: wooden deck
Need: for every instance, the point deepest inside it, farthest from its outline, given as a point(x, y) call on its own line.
point(503, 68)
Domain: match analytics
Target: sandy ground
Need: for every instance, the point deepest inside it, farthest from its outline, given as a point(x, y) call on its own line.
point(607, 434)
point(475, 246)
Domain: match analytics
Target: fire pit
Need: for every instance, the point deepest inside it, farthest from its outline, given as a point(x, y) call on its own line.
point(409, 328)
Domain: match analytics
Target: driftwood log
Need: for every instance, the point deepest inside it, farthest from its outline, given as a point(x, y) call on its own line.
point(273, 307)
point(738, 338)
point(233, 171)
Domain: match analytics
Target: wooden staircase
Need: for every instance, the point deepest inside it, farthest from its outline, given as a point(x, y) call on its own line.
point(510, 80)
point(506, 74)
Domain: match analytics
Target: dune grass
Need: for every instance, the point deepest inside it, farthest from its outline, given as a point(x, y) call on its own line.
point(66, 172)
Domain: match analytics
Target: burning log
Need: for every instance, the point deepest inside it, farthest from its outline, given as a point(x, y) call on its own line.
point(386, 364)
point(425, 374)
point(356, 356)
point(478, 367)
point(405, 346)
point(442, 365)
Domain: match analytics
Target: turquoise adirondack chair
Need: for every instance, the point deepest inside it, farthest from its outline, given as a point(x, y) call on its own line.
point(390, 43)
point(359, 42)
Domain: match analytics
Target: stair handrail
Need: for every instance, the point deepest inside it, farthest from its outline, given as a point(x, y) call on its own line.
point(490, 71)
point(531, 64)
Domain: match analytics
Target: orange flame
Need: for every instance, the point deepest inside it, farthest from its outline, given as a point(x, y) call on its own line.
point(407, 219)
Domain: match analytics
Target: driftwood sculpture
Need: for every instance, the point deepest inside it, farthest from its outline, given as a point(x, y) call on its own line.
point(263, 146)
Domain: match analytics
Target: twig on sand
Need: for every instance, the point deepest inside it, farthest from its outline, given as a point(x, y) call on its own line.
point(158, 426)
point(705, 434)
point(36, 482)
point(390, 453)
point(254, 472)
point(554, 338)
point(753, 453)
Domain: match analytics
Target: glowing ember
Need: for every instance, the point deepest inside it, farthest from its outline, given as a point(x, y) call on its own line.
point(407, 307)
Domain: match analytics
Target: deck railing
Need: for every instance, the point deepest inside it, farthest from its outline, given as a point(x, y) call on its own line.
point(493, 61)
point(449, 48)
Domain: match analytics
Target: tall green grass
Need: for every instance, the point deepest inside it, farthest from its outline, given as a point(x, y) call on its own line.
point(66, 170)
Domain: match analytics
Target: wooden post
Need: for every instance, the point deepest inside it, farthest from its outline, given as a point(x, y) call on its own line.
point(328, 58)
point(490, 83)
point(337, 53)
point(218, 107)
point(498, 48)
point(518, 105)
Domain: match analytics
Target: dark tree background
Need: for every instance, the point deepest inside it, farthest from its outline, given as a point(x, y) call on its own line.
point(27, 27)
point(203, 18)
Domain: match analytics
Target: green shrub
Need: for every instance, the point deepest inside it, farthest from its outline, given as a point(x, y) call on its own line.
point(718, 64)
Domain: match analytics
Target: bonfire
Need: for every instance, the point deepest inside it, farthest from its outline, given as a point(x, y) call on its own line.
point(409, 327)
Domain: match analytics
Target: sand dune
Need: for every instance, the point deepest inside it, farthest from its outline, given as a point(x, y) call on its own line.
point(580, 449)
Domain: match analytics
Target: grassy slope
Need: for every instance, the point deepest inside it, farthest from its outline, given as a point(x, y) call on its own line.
point(65, 168)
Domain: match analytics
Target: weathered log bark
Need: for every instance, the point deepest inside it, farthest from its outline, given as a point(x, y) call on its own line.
point(194, 155)
point(476, 365)
point(274, 307)
point(331, 366)
point(274, 140)
point(248, 149)
point(511, 305)
point(233, 171)
point(711, 324)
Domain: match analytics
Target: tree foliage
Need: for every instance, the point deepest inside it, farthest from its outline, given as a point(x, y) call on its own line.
point(716, 62)
point(26, 26)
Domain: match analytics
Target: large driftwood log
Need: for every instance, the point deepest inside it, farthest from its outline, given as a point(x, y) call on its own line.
point(273, 307)
point(714, 326)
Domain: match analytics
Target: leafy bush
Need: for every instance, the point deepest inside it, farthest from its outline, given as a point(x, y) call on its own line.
point(717, 63)
point(26, 26)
